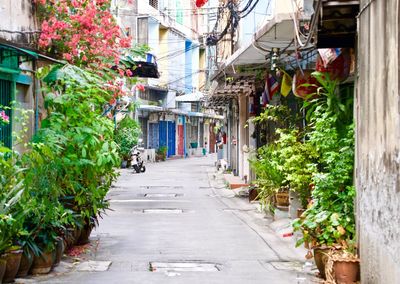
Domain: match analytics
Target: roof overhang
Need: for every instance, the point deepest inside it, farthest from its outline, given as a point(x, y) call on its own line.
point(276, 33)
point(191, 98)
point(28, 53)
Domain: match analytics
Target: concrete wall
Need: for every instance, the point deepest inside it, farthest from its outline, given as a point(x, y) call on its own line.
point(15, 17)
point(378, 137)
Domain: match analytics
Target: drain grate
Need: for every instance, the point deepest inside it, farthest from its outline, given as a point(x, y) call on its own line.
point(163, 211)
point(161, 195)
point(183, 267)
point(160, 187)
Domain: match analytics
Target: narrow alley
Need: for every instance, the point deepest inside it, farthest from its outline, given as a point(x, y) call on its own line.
point(178, 213)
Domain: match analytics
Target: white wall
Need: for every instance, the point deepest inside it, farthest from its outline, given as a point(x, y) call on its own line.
point(17, 16)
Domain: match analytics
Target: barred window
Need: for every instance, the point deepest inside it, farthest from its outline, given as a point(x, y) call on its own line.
point(153, 3)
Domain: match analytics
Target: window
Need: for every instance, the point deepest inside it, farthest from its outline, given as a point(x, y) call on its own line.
point(153, 3)
point(5, 100)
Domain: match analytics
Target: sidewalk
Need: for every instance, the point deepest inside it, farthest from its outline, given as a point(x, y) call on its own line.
point(277, 234)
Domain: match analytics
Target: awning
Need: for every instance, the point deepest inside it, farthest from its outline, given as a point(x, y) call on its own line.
point(151, 108)
point(33, 55)
point(193, 97)
point(276, 33)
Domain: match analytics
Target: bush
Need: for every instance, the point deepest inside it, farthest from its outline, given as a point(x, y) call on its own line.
point(126, 136)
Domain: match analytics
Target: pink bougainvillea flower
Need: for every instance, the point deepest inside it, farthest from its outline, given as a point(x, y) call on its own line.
point(4, 118)
point(129, 73)
point(140, 87)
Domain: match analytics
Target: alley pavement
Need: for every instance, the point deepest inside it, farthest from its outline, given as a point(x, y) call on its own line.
point(177, 223)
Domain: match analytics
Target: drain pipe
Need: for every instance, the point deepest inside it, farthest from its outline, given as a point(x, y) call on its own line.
point(37, 94)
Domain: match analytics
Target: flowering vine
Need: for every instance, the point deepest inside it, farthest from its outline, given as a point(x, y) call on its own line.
point(82, 32)
point(4, 118)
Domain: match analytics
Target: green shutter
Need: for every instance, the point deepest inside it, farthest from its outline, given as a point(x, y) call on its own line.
point(6, 91)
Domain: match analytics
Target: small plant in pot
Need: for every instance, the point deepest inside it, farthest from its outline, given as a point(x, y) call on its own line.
point(161, 153)
point(11, 213)
point(343, 265)
point(269, 175)
point(126, 136)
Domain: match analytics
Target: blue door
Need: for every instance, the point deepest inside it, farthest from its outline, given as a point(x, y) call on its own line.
point(162, 133)
point(171, 138)
point(153, 136)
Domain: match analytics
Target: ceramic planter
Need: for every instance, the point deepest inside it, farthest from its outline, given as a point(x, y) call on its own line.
point(26, 263)
point(59, 251)
point(13, 259)
point(43, 263)
point(321, 258)
point(85, 234)
point(3, 264)
point(346, 272)
point(282, 199)
point(77, 234)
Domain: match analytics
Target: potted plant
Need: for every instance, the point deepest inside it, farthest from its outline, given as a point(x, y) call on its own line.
point(161, 154)
point(126, 136)
point(11, 214)
point(343, 264)
point(269, 175)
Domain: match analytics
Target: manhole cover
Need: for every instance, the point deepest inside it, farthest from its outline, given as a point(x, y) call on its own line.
point(161, 195)
point(183, 267)
point(160, 187)
point(163, 211)
point(93, 266)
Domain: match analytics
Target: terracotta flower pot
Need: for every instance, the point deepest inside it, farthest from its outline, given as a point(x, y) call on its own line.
point(69, 238)
point(59, 251)
point(3, 264)
point(346, 272)
point(13, 259)
point(26, 263)
point(43, 263)
point(77, 234)
point(282, 198)
point(321, 258)
point(300, 211)
point(85, 234)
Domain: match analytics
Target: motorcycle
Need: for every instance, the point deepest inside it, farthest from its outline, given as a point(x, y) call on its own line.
point(137, 161)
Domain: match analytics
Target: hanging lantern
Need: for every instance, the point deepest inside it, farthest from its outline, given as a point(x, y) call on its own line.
point(200, 3)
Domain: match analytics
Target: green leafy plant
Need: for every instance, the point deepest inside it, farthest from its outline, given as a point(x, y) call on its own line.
point(11, 190)
point(330, 218)
point(126, 136)
point(162, 153)
point(269, 173)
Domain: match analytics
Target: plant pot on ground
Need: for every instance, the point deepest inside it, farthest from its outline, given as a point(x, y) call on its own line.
point(26, 263)
point(321, 256)
point(13, 258)
point(282, 197)
point(59, 251)
point(43, 263)
point(85, 233)
point(343, 267)
point(3, 264)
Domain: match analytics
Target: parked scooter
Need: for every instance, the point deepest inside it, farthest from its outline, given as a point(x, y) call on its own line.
point(137, 161)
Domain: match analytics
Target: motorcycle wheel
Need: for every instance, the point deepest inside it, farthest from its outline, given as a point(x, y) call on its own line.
point(136, 168)
point(143, 169)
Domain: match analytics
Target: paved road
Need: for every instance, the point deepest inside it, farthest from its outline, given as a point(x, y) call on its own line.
point(198, 227)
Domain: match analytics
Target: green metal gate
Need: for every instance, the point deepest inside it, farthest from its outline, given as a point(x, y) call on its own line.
point(5, 100)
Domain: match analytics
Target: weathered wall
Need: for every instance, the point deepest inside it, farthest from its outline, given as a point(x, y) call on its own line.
point(378, 137)
point(17, 21)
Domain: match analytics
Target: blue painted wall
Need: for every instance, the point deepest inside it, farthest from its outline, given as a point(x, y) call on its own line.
point(188, 67)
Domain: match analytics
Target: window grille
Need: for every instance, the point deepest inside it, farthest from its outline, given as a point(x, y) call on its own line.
point(153, 3)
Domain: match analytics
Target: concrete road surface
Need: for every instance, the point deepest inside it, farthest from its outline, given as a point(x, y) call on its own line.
point(173, 224)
